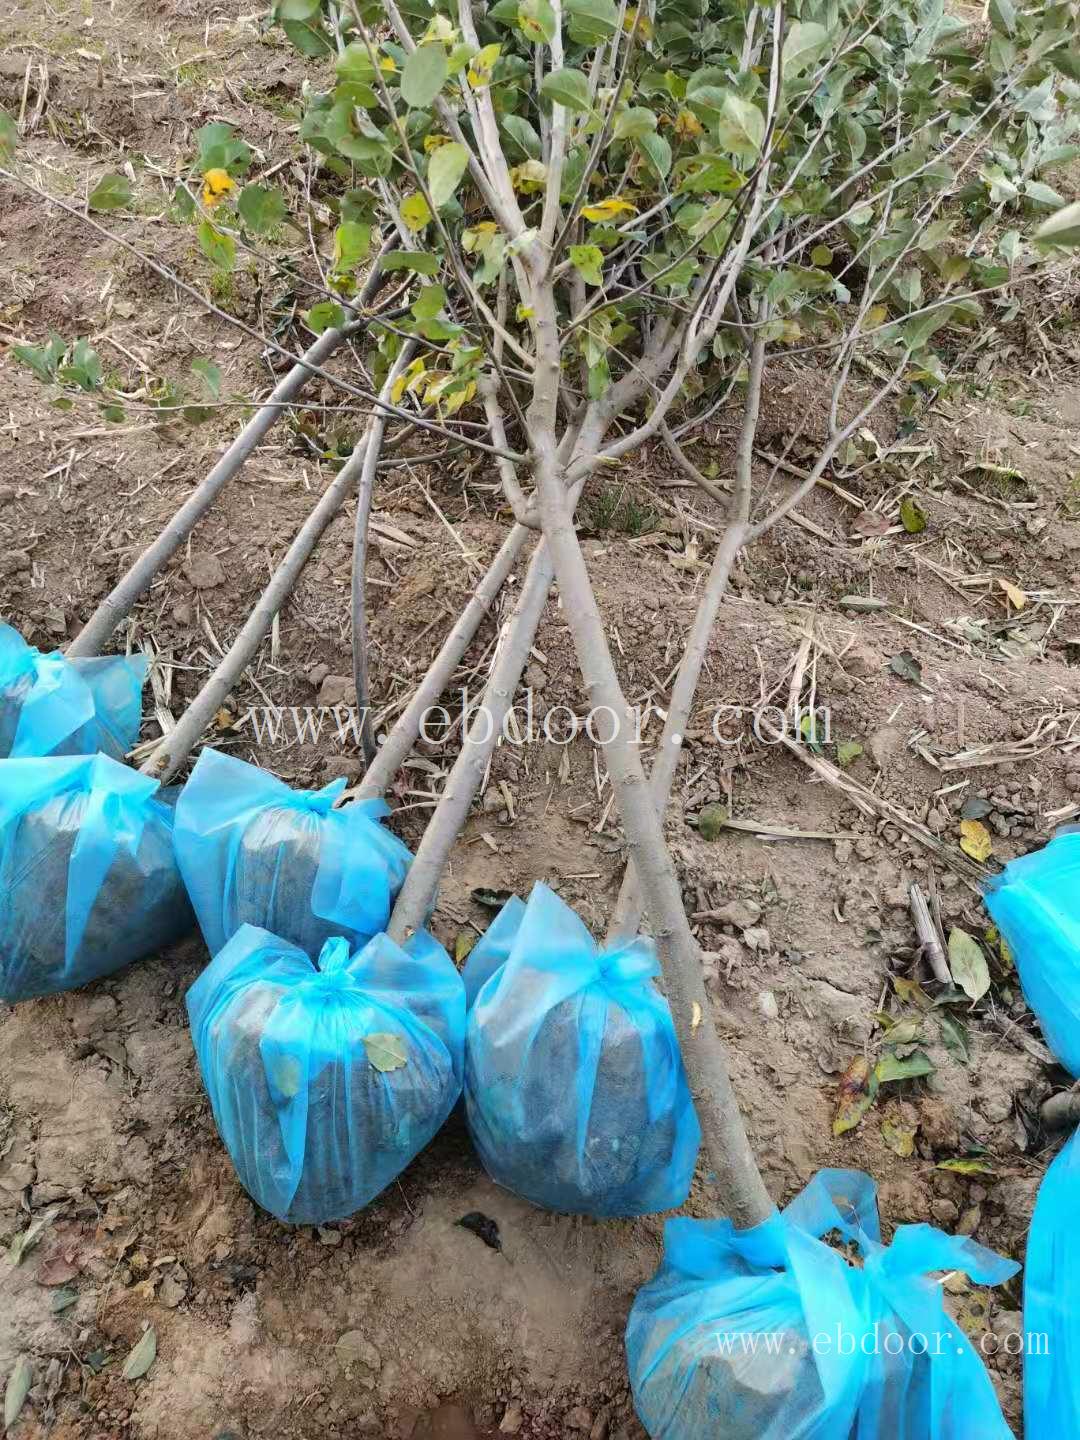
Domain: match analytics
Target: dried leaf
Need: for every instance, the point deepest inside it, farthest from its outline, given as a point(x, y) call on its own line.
point(141, 1356)
point(912, 516)
point(1014, 595)
point(871, 524)
point(56, 1271)
point(17, 1389)
point(857, 1089)
point(385, 1051)
point(24, 1243)
point(904, 1032)
point(975, 840)
point(906, 666)
point(967, 962)
point(966, 1165)
point(911, 992)
point(463, 943)
point(911, 1067)
point(62, 1300)
point(900, 1140)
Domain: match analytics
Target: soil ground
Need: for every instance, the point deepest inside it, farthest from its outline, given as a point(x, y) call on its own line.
point(400, 1322)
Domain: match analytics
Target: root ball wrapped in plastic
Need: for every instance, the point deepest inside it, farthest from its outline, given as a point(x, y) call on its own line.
point(88, 880)
point(326, 1078)
point(254, 852)
point(50, 705)
point(770, 1334)
point(575, 1092)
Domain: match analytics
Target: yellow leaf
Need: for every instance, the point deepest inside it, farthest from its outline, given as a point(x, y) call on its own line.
point(481, 66)
point(224, 719)
point(1014, 595)
point(634, 18)
point(460, 398)
point(414, 376)
point(529, 176)
point(387, 65)
point(695, 1016)
point(975, 840)
point(857, 1089)
point(876, 315)
point(216, 185)
point(415, 212)
point(688, 126)
point(525, 312)
point(608, 209)
point(397, 390)
point(432, 142)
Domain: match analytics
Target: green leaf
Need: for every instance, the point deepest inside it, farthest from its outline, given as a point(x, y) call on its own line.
point(295, 9)
point(891, 1067)
point(847, 752)
point(261, 207)
point(219, 248)
point(419, 261)
point(9, 135)
point(352, 242)
point(966, 1165)
point(1003, 16)
point(16, 1390)
point(182, 206)
point(634, 122)
point(657, 153)
point(741, 127)
point(569, 88)
point(424, 75)
point(83, 368)
point(803, 43)
point(821, 255)
point(967, 964)
point(209, 374)
point(326, 315)
point(309, 38)
point(587, 260)
point(523, 135)
point(141, 1356)
point(1042, 196)
point(112, 192)
point(536, 19)
point(445, 168)
point(385, 1051)
point(1062, 228)
point(429, 302)
point(912, 516)
point(712, 821)
point(591, 21)
point(220, 149)
point(42, 359)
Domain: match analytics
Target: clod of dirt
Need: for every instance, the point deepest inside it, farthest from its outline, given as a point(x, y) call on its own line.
point(337, 690)
point(204, 571)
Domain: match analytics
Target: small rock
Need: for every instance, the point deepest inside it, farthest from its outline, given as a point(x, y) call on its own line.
point(174, 1288)
point(969, 1221)
point(183, 613)
point(864, 848)
point(945, 1212)
point(842, 851)
point(93, 1016)
point(579, 1418)
point(13, 561)
point(600, 1426)
point(768, 1006)
point(861, 659)
point(996, 1109)
point(341, 767)
point(512, 1420)
point(317, 674)
point(337, 690)
point(353, 1348)
point(883, 745)
point(757, 937)
point(536, 677)
point(740, 913)
point(204, 571)
point(936, 820)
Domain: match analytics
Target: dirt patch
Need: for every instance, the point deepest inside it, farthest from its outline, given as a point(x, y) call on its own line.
point(400, 1321)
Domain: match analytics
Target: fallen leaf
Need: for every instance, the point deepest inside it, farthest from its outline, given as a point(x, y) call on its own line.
point(62, 1300)
point(966, 1165)
point(975, 840)
point(967, 963)
point(712, 821)
point(848, 751)
point(141, 1356)
point(17, 1389)
point(975, 807)
point(864, 603)
point(491, 899)
point(900, 1140)
point(695, 1016)
point(856, 1092)
point(955, 1037)
point(912, 516)
point(483, 1227)
point(911, 1067)
point(905, 1031)
point(385, 1051)
point(1014, 595)
point(56, 1271)
point(911, 992)
point(871, 524)
point(463, 943)
point(25, 1242)
point(224, 719)
point(906, 666)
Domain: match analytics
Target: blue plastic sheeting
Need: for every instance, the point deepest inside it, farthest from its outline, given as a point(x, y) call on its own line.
point(327, 1078)
point(1051, 1298)
point(770, 1334)
point(50, 705)
point(88, 880)
point(575, 1092)
point(254, 852)
point(1034, 904)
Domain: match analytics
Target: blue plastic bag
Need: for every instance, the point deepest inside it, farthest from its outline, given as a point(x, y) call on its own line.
point(88, 880)
point(254, 852)
point(1034, 904)
point(575, 1092)
point(770, 1334)
point(50, 705)
point(327, 1078)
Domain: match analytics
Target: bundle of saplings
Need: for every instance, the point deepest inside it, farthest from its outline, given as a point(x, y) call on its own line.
point(769, 1333)
point(88, 879)
point(50, 705)
point(574, 1086)
point(326, 1077)
point(254, 852)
